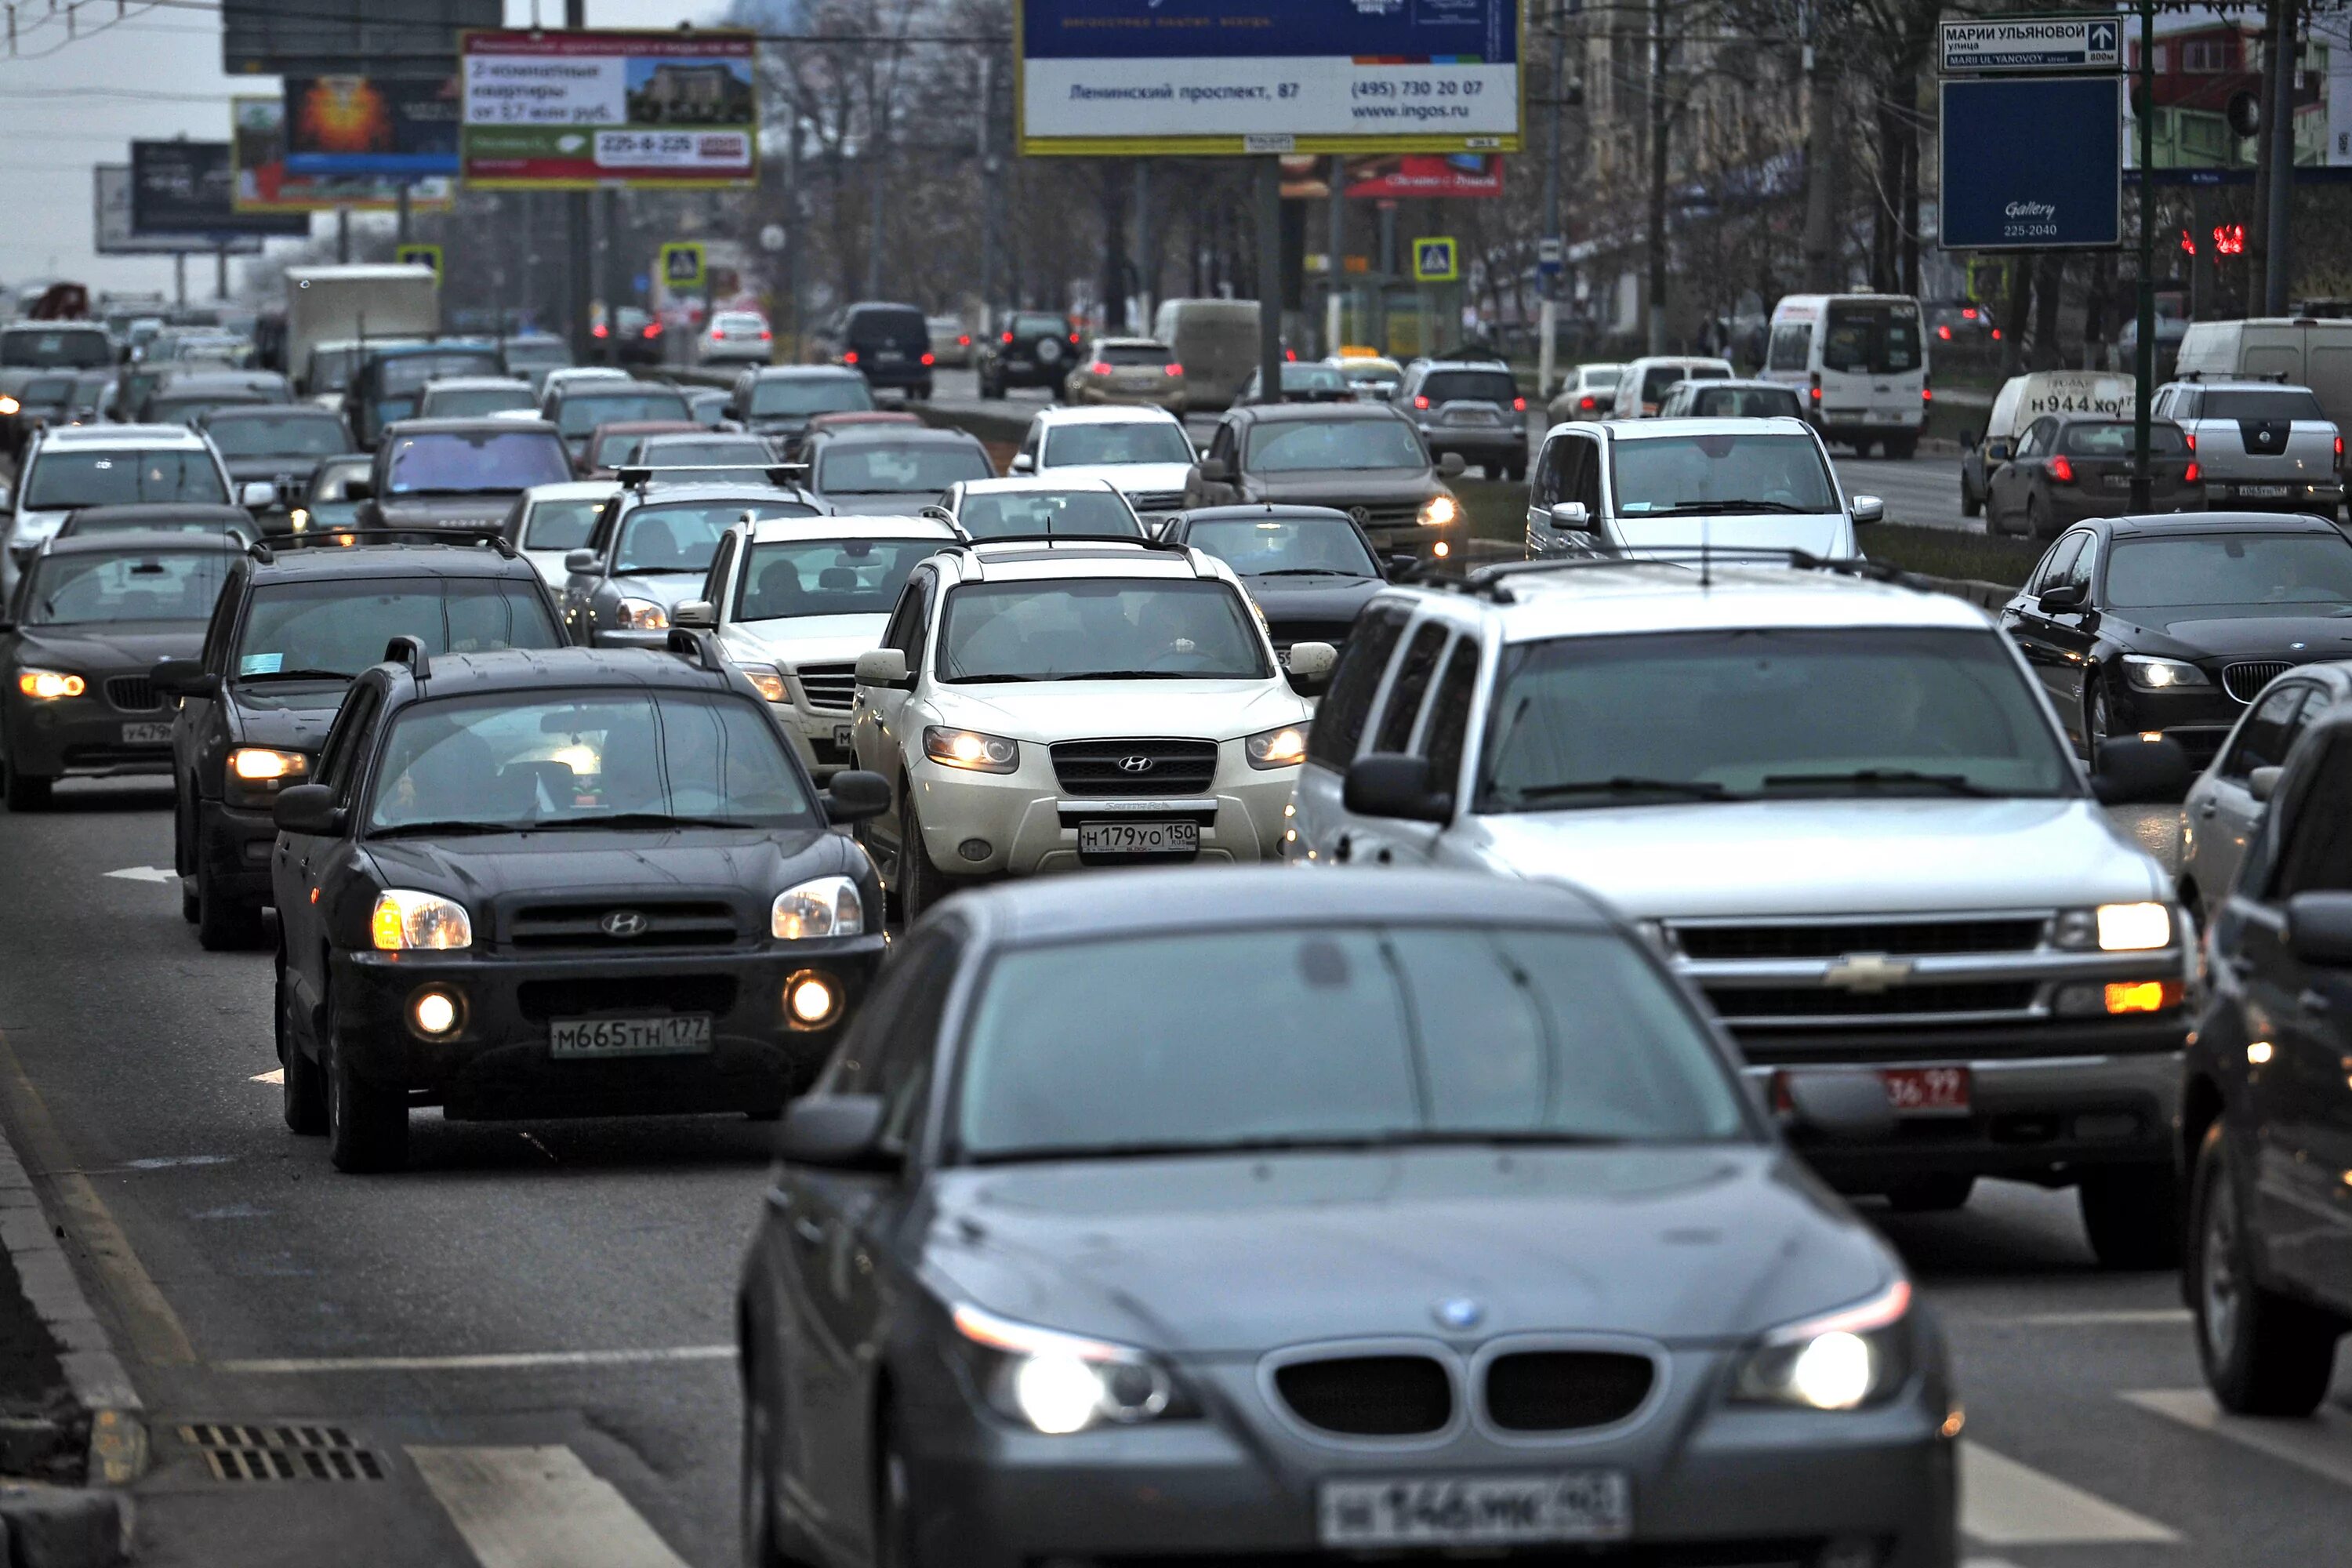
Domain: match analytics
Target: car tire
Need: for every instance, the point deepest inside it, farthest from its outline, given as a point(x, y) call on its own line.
point(920, 883)
point(1971, 504)
point(1931, 1195)
point(222, 926)
point(1517, 472)
point(1863, 448)
point(2132, 1216)
point(304, 1097)
point(756, 1492)
point(25, 792)
point(2097, 724)
point(190, 909)
point(2263, 1353)
point(367, 1128)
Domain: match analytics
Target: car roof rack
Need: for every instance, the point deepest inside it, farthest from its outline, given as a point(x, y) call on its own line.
point(1144, 539)
point(492, 534)
point(700, 644)
point(637, 476)
point(410, 651)
point(1493, 582)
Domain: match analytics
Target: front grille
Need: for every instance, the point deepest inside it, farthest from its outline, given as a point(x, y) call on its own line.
point(1407, 515)
point(1562, 1391)
point(1096, 770)
point(1762, 1001)
point(132, 694)
point(1369, 1396)
point(1830, 941)
point(1793, 1552)
point(2245, 682)
point(541, 1000)
point(546, 926)
point(827, 688)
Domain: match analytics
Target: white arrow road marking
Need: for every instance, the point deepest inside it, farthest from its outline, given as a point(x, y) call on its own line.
point(2004, 1503)
point(145, 874)
point(539, 1508)
point(275, 1075)
point(2322, 1444)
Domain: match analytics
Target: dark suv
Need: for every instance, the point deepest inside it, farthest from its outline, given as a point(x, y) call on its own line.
point(1030, 348)
point(432, 475)
point(889, 345)
point(291, 631)
point(1360, 458)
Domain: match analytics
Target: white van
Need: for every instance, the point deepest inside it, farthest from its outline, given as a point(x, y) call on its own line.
point(2301, 351)
point(1216, 343)
point(2021, 401)
point(1860, 362)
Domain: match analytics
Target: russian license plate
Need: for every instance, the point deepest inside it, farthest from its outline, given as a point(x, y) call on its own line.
point(841, 736)
point(1138, 839)
point(1477, 1511)
point(1468, 416)
point(1913, 1091)
point(2265, 491)
point(147, 735)
point(2119, 481)
point(887, 356)
point(668, 1034)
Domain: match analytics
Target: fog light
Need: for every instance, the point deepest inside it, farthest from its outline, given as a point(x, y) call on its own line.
point(434, 1013)
point(975, 849)
point(2079, 1002)
point(1441, 548)
point(810, 1000)
point(2143, 996)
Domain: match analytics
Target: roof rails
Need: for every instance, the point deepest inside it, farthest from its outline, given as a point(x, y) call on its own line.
point(1493, 582)
point(410, 651)
point(703, 644)
point(349, 533)
point(637, 476)
point(1145, 540)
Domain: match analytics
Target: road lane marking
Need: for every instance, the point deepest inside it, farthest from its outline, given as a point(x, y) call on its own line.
point(2004, 1503)
point(145, 874)
point(2322, 1444)
point(2120, 1318)
point(275, 1076)
point(539, 1508)
point(506, 1361)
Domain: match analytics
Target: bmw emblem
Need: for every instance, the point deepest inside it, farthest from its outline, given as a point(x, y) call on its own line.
point(1459, 1312)
point(624, 923)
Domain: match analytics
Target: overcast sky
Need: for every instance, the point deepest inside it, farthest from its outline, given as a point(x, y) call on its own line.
point(156, 74)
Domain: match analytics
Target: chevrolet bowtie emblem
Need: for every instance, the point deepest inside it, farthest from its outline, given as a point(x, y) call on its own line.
point(1866, 973)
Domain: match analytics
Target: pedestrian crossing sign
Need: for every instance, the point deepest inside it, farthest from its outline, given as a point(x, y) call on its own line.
point(420, 256)
point(1436, 261)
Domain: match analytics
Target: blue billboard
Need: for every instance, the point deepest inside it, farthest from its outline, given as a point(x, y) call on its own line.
point(2033, 164)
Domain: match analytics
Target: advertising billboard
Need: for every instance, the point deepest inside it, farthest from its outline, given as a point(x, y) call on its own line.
point(188, 188)
point(551, 111)
point(321, 37)
point(365, 125)
point(264, 184)
point(1125, 77)
point(110, 223)
point(1425, 176)
point(2002, 191)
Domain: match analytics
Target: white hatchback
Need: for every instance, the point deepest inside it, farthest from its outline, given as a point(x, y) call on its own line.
point(1144, 453)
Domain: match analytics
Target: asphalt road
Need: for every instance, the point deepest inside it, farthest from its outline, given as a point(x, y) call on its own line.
point(529, 1330)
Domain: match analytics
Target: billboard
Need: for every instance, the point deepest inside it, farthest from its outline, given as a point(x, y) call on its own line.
point(552, 110)
point(368, 125)
point(1125, 77)
point(186, 188)
point(321, 38)
point(2002, 189)
point(263, 185)
point(110, 223)
point(1407, 175)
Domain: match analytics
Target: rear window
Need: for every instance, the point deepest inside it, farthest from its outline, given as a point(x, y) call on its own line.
point(1657, 378)
point(889, 328)
point(877, 469)
point(61, 480)
point(48, 389)
point(330, 628)
point(1872, 340)
point(1743, 401)
point(1470, 387)
point(45, 346)
point(1134, 354)
point(1038, 326)
point(798, 394)
point(578, 414)
point(562, 524)
point(2116, 440)
point(410, 373)
point(475, 463)
point(293, 433)
point(2286, 403)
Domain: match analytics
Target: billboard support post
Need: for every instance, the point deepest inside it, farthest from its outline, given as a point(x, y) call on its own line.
point(343, 235)
point(2278, 127)
point(575, 221)
point(1269, 278)
point(2145, 370)
point(1335, 307)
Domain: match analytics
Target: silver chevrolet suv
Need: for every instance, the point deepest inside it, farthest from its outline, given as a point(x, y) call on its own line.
point(2259, 445)
point(1847, 812)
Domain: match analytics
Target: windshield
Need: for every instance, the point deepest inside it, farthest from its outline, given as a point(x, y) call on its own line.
point(1153, 355)
point(1470, 385)
point(681, 536)
point(2306, 569)
point(406, 374)
point(584, 760)
point(1599, 377)
point(1013, 513)
point(474, 402)
point(61, 480)
point(2287, 404)
point(1659, 377)
point(1742, 401)
point(1298, 446)
point(1405, 1034)
point(901, 330)
point(810, 394)
point(827, 576)
point(280, 435)
point(872, 468)
point(476, 462)
point(185, 410)
point(1657, 718)
point(1872, 340)
point(1098, 628)
point(2163, 440)
point(44, 346)
point(1671, 474)
point(562, 524)
point(152, 585)
point(1029, 326)
point(1131, 441)
point(1254, 546)
point(577, 414)
point(329, 628)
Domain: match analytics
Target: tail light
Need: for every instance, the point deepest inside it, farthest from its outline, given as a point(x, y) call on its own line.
point(1817, 387)
point(1175, 370)
point(1944, 334)
point(1587, 405)
point(1520, 406)
point(850, 357)
point(1008, 337)
point(929, 359)
point(2339, 449)
point(964, 341)
point(1968, 312)
point(599, 331)
point(653, 329)
point(1074, 340)
point(765, 335)
point(2192, 442)
point(1995, 334)
point(1100, 367)
point(1290, 356)
point(1927, 395)
point(2190, 476)
point(2061, 471)
point(1420, 402)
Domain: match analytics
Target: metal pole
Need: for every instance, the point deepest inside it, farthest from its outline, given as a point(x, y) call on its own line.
point(1147, 251)
point(1269, 277)
point(1657, 334)
point(1548, 317)
point(343, 235)
point(404, 220)
point(2278, 124)
point(988, 194)
point(220, 273)
point(579, 285)
point(180, 278)
point(2144, 370)
point(1334, 305)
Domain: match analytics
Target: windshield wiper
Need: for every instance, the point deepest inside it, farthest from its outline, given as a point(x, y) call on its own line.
point(1694, 789)
point(1342, 1142)
point(1953, 784)
point(633, 819)
point(1724, 508)
point(260, 676)
point(1311, 572)
point(451, 828)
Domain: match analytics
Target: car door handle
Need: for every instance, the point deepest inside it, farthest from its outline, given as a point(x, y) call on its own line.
point(2208, 809)
point(1345, 848)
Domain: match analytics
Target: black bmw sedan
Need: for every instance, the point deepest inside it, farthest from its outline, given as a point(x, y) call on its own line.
point(1246, 1216)
point(2171, 625)
point(1309, 569)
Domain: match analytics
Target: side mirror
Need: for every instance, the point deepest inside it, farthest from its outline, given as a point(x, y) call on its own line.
point(836, 1131)
point(183, 677)
point(2262, 782)
point(696, 614)
point(854, 796)
point(1998, 451)
point(1216, 470)
point(1452, 467)
point(1851, 1107)
point(360, 489)
point(882, 666)
point(308, 808)
point(2319, 929)
point(1312, 660)
point(1402, 565)
point(2130, 771)
point(1571, 517)
point(256, 495)
point(580, 561)
point(1868, 508)
point(2063, 598)
point(1022, 463)
point(1389, 783)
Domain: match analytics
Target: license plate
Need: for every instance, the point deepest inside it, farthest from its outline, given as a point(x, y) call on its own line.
point(1477, 1511)
point(1138, 839)
point(887, 356)
point(147, 735)
point(669, 1035)
point(1468, 416)
point(1913, 1091)
point(841, 736)
point(2266, 490)
point(2123, 481)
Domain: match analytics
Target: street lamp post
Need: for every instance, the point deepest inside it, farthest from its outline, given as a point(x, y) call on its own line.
point(2145, 370)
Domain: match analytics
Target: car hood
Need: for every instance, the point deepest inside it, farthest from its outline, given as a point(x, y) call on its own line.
point(295, 717)
point(1344, 487)
point(1826, 857)
point(1062, 710)
point(807, 639)
point(1311, 598)
point(640, 863)
point(441, 511)
point(2288, 632)
point(890, 503)
point(126, 645)
point(1685, 1243)
point(1128, 478)
point(1824, 535)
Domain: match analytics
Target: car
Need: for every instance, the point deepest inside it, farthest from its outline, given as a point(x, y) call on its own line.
point(2021, 400)
point(1039, 706)
point(709, 404)
point(230, 522)
point(184, 398)
point(1309, 569)
point(888, 344)
point(1642, 385)
point(327, 501)
point(531, 357)
point(64, 470)
point(275, 445)
point(1472, 409)
point(796, 600)
point(548, 522)
point(563, 883)
point(2172, 624)
point(779, 401)
point(818, 423)
point(32, 402)
point(577, 408)
point(326, 372)
point(2259, 445)
point(1028, 506)
point(388, 380)
point(2223, 809)
point(1611, 487)
point(713, 457)
point(1588, 392)
point(1127, 371)
point(475, 398)
point(736, 337)
point(1030, 348)
point(1373, 378)
point(1367, 461)
point(651, 551)
point(886, 471)
point(1301, 382)
point(1713, 398)
point(434, 474)
point(2069, 467)
point(89, 619)
point(1144, 453)
point(951, 341)
point(1254, 1217)
point(1843, 808)
point(563, 377)
point(291, 631)
point(611, 447)
point(631, 335)
point(1861, 361)
point(1216, 341)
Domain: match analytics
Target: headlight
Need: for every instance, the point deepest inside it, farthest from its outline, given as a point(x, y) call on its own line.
point(405, 920)
point(8, 405)
point(298, 519)
point(822, 906)
point(2113, 927)
point(49, 685)
point(261, 764)
point(641, 616)
point(1440, 511)
point(972, 750)
point(2161, 674)
point(769, 685)
point(1841, 1362)
point(1283, 748)
point(1058, 1383)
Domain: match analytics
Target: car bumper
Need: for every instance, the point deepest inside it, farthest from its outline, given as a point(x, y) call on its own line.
point(83, 735)
point(1474, 441)
point(2199, 718)
point(2068, 507)
point(499, 1061)
point(1030, 827)
point(233, 843)
point(1170, 398)
point(1845, 425)
point(897, 377)
point(2231, 495)
point(821, 739)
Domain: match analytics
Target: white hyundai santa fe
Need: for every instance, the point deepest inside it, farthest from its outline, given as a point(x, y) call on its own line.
point(1044, 705)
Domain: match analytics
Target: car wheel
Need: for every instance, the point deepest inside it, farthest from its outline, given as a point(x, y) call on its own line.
point(367, 1128)
point(920, 883)
point(2132, 1216)
point(1971, 503)
point(2263, 1353)
point(1931, 1195)
point(191, 910)
point(757, 1493)
point(222, 925)
point(2096, 724)
point(25, 792)
point(1861, 448)
point(1517, 472)
point(306, 1102)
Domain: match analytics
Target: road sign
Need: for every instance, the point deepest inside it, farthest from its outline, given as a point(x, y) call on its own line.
point(1436, 260)
point(682, 266)
point(420, 256)
point(2002, 190)
point(2074, 44)
point(1549, 253)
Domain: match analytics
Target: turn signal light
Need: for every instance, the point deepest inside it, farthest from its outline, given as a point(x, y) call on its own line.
point(2143, 996)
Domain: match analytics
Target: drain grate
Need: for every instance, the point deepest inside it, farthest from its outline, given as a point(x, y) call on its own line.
point(241, 1452)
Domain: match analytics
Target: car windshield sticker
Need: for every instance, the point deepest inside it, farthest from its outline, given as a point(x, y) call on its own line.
point(261, 664)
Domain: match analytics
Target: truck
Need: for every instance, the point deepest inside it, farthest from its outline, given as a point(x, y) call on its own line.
point(349, 304)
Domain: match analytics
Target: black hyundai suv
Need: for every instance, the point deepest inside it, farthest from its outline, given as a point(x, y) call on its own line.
point(1032, 348)
point(578, 883)
point(291, 629)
